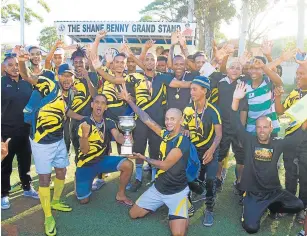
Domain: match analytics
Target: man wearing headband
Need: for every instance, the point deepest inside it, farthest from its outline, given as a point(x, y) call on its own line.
point(203, 121)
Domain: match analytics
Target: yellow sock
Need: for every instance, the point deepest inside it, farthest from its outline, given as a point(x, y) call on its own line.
point(44, 196)
point(58, 189)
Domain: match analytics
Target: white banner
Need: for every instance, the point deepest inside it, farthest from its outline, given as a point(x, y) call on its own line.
point(123, 28)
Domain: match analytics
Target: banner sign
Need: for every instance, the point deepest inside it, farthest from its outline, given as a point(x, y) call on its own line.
point(124, 28)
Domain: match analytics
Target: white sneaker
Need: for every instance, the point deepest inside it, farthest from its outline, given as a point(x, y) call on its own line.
point(5, 203)
point(98, 183)
point(31, 193)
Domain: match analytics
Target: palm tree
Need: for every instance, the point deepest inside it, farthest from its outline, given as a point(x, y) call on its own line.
point(11, 11)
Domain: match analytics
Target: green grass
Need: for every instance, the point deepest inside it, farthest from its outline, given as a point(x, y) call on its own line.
point(103, 216)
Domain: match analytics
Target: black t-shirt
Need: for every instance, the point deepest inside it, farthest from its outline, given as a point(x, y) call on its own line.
point(14, 98)
point(260, 172)
point(174, 179)
point(180, 97)
point(225, 88)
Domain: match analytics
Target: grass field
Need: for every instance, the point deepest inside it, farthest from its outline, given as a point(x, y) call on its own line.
point(104, 217)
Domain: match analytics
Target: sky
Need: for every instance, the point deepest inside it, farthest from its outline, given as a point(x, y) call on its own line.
point(128, 10)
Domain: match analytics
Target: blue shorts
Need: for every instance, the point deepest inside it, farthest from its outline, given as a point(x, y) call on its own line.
point(86, 174)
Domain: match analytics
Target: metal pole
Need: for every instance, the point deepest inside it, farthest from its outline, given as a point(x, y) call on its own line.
point(300, 24)
point(244, 21)
point(22, 22)
point(191, 10)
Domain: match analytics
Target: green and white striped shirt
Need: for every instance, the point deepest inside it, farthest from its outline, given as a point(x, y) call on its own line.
point(260, 103)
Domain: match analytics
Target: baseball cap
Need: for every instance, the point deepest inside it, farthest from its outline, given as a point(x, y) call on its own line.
point(66, 68)
point(60, 51)
point(202, 81)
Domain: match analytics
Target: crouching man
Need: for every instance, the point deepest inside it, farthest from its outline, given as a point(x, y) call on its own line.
point(171, 185)
point(260, 175)
point(95, 134)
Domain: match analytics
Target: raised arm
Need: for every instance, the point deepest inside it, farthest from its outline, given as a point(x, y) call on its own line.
point(49, 57)
point(274, 77)
point(147, 46)
point(278, 91)
point(126, 49)
point(92, 89)
point(285, 56)
point(144, 117)
point(22, 57)
point(170, 57)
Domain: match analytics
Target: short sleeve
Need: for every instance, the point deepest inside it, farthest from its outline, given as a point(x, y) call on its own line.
point(165, 79)
point(291, 99)
point(110, 124)
point(215, 78)
point(163, 133)
point(183, 144)
point(243, 105)
point(94, 78)
point(185, 118)
point(45, 85)
point(216, 117)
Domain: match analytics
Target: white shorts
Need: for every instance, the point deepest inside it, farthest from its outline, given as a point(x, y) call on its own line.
point(177, 203)
point(47, 156)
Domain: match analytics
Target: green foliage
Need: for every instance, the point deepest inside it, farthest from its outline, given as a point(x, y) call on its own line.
point(48, 36)
point(11, 11)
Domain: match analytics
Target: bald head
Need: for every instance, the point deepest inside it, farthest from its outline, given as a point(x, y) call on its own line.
point(264, 128)
point(173, 119)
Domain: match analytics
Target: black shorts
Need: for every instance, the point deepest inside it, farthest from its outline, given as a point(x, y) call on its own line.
point(237, 148)
point(141, 134)
point(256, 204)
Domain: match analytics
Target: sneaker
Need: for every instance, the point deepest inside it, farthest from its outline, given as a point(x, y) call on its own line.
point(98, 183)
point(147, 168)
point(50, 228)
point(219, 185)
point(60, 206)
point(198, 197)
point(5, 203)
point(128, 187)
point(31, 193)
point(208, 218)
point(191, 210)
point(136, 186)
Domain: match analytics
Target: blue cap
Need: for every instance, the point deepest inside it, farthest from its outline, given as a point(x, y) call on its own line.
point(202, 81)
point(66, 68)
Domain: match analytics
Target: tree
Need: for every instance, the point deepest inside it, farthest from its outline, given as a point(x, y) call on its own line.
point(11, 11)
point(48, 36)
point(208, 15)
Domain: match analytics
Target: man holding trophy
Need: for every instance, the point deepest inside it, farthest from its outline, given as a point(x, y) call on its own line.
point(95, 133)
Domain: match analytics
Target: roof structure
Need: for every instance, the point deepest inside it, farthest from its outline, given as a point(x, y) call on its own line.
point(130, 32)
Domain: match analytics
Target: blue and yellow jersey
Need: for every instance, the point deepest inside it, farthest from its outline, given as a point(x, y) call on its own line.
point(202, 131)
point(99, 139)
point(292, 98)
point(50, 118)
point(174, 179)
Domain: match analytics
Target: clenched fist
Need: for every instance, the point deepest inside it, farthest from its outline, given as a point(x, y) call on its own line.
point(85, 129)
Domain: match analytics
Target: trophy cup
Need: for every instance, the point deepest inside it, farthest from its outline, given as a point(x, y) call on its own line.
point(126, 124)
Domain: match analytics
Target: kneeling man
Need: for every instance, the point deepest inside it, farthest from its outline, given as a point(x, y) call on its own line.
point(171, 185)
point(95, 134)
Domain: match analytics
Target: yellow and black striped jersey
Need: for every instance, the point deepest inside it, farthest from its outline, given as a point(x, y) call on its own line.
point(99, 139)
point(149, 93)
point(201, 125)
point(292, 98)
point(50, 118)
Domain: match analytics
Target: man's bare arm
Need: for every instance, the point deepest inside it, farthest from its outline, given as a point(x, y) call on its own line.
point(118, 136)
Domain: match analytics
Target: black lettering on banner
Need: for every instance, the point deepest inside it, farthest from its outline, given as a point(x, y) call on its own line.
point(74, 28)
point(159, 28)
point(134, 28)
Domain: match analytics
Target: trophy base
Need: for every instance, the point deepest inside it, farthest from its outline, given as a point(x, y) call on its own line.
point(126, 150)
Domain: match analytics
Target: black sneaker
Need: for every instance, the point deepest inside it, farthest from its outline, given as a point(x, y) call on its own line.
point(219, 185)
point(136, 186)
point(208, 218)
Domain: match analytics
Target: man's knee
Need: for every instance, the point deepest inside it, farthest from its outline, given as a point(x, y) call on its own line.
point(60, 173)
point(84, 201)
point(126, 165)
point(136, 212)
point(251, 228)
point(44, 180)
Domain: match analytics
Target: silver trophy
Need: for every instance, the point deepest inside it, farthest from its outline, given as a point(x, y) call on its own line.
point(126, 124)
